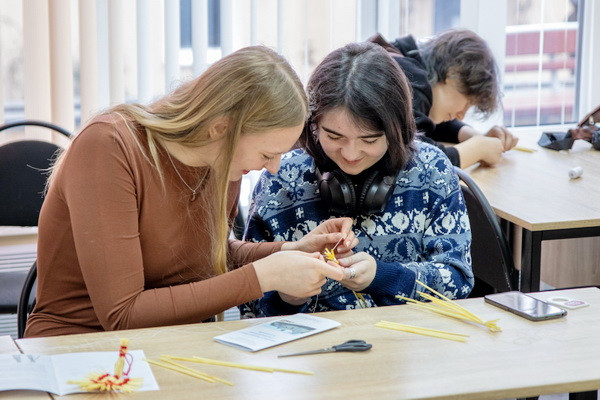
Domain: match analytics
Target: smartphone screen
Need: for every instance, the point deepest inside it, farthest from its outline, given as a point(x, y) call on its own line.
point(525, 306)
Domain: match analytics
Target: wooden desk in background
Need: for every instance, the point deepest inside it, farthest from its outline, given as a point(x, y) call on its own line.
point(525, 359)
point(8, 346)
point(533, 191)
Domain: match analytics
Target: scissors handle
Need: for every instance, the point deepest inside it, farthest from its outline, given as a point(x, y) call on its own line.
point(352, 346)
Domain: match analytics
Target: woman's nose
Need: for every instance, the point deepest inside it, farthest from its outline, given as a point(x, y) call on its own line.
point(350, 151)
point(273, 165)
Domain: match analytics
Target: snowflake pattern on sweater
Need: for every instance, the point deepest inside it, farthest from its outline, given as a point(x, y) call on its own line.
point(422, 234)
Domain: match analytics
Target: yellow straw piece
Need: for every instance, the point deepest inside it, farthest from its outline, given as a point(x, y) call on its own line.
point(222, 363)
point(433, 308)
point(120, 363)
point(293, 371)
point(524, 149)
point(458, 337)
point(452, 306)
point(212, 377)
point(188, 371)
point(360, 299)
point(329, 255)
point(177, 369)
point(237, 365)
point(447, 307)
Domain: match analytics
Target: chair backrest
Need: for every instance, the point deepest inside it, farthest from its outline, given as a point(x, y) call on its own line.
point(24, 168)
point(239, 224)
point(493, 265)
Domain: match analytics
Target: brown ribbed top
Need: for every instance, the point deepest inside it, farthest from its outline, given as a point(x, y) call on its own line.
point(116, 250)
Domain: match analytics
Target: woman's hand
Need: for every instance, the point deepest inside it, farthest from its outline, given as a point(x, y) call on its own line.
point(362, 265)
point(295, 273)
point(326, 235)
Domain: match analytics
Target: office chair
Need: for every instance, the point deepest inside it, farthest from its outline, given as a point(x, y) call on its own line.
point(26, 300)
point(239, 224)
point(24, 166)
point(493, 265)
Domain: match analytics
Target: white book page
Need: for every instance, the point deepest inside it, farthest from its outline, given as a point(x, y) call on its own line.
point(28, 372)
point(276, 332)
point(51, 373)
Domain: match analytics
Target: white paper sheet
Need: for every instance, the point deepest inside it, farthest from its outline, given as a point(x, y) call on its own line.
point(50, 373)
point(276, 332)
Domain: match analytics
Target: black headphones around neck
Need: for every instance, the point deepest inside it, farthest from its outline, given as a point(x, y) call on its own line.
point(338, 191)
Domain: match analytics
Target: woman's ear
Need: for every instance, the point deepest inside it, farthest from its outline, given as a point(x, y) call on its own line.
point(218, 128)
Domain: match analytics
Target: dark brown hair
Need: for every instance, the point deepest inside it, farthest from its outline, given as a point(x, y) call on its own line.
point(462, 55)
point(363, 79)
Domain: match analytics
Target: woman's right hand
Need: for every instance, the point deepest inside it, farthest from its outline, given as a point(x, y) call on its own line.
point(295, 273)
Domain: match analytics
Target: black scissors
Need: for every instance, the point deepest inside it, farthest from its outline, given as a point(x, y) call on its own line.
point(350, 345)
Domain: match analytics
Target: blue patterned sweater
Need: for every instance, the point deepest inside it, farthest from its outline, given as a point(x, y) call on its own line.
point(422, 234)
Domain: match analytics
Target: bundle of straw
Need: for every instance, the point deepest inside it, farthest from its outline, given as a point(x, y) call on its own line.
point(360, 299)
point(119, 381)
point(203, 360)
point(445, 306)
point(168, 363)
point(458, 337)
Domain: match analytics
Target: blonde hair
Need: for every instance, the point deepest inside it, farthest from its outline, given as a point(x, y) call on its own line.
point(254, 88)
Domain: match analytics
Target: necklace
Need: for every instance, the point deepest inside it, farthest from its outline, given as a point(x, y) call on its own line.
point(193, 190)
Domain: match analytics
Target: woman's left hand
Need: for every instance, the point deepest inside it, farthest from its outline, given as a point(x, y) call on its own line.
point(360, 269)
point(326, 235)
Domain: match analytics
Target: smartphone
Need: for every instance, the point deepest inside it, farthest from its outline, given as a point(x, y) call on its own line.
point(525, 306)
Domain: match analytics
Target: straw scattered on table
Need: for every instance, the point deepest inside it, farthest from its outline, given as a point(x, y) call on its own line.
point(457, 337)
point(444, 306)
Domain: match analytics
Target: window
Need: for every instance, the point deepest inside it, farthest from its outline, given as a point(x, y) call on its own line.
point(540, 81)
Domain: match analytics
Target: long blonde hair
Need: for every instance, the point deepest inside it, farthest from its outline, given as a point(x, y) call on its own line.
point(254, 88)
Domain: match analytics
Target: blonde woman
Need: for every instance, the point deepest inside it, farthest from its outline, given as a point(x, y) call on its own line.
point(134, 229)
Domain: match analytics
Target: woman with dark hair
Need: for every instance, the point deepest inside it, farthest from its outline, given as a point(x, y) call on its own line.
point(359, 159)
point(450, 73)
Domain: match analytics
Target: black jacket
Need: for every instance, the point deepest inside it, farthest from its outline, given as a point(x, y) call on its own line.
point(415, 72)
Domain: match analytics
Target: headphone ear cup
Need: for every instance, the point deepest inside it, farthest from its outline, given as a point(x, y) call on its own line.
point(347, 202)
point(337, 191)
point(376, 193)
point(366, 196)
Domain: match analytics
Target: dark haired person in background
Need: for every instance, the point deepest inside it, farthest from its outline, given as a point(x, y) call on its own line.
point(450, 73)
point(358, 158)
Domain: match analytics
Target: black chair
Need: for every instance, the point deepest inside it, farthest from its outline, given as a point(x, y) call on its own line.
point(493, 265)
point(24, 168)
point(26, 300)
point(239, 224)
